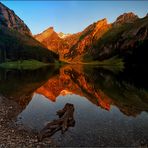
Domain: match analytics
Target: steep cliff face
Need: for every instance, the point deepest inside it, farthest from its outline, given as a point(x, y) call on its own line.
point(10, 20)
point(16, 41)
point(85, 41)
point(72, 39)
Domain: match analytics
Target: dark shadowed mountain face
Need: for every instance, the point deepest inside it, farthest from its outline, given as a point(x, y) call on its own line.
point(128, 40)
point(10, 20)
point(16, 46)
point(16, 42)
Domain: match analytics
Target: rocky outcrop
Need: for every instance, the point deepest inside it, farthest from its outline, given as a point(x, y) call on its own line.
point(10, 20)
point(126, 18)
point(72, 39)
point(86, 40)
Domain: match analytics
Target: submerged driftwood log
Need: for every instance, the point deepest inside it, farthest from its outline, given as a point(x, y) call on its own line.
point(66, 120)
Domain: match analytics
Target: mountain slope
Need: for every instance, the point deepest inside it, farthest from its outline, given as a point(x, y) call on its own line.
point(128, 40)
point(15, 46)
point(100, 40)
point(126, 37)
point(87, 38)
point(10, 20)
point(73, 45)
point(52, 41)
point(16, 42)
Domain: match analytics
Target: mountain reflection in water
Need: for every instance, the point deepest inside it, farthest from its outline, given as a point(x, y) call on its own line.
point(99, 95)
point(98, 86)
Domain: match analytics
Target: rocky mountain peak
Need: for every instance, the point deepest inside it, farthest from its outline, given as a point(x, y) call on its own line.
point(102, 22)
point(50, 29)
point(10, 20)
point(51, 40)
point(126, 18)
point(45, 34)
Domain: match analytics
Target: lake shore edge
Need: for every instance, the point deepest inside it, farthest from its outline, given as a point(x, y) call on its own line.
point(12, 136)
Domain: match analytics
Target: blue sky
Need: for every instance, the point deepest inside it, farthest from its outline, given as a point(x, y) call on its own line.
point(72, 16)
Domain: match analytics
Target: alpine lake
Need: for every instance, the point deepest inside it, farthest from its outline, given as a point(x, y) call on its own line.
point(110, 105)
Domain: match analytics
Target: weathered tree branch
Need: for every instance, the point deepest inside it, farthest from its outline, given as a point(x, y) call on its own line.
point(66, 120)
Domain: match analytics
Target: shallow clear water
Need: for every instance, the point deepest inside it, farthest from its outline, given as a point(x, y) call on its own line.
point(109, 110)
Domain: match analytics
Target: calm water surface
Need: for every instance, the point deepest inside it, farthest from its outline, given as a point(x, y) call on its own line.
point(111, 107)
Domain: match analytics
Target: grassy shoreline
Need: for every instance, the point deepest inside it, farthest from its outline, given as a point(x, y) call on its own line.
point(24, 64)
point(115, 62)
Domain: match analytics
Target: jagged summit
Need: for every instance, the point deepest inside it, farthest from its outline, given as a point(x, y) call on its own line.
point(49, 29)
point(126, 18)
point(10, 20)
point(51, 40)
point(45, 34)
point(104, 21)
